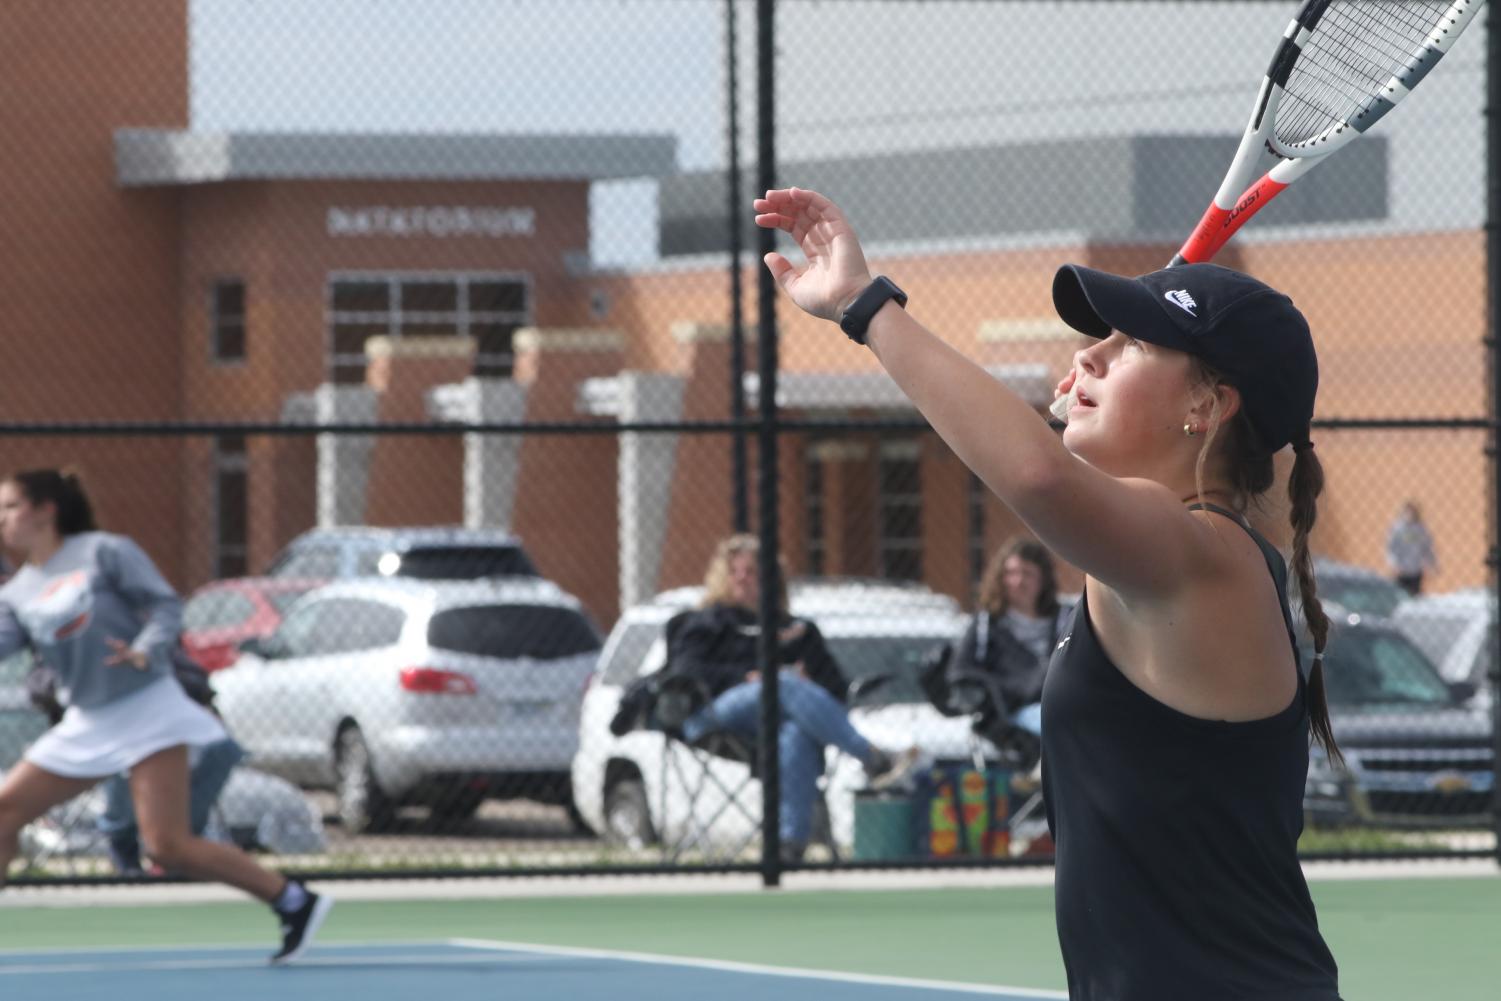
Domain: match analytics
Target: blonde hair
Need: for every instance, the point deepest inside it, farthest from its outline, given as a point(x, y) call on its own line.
point(717, 590)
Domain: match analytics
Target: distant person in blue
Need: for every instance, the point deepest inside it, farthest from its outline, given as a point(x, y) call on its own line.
point(1409, 549)
point(1177, 711)
point(93, 607)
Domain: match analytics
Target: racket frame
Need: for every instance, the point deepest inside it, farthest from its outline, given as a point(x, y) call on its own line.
point(1238, 199)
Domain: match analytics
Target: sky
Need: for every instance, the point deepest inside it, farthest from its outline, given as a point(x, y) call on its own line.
point(855, 77)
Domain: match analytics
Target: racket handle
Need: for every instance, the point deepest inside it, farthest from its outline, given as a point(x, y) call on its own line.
point(1218, 224)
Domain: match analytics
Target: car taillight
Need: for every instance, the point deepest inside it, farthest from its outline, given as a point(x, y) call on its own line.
point(431, 681)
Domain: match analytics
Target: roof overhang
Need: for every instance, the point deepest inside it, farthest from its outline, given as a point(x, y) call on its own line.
point(817, 391)
point(165, 157)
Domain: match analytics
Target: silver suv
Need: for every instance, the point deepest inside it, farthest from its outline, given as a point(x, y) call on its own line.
point(428, 553)
point(397, 691)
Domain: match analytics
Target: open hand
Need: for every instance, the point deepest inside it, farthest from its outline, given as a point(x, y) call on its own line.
point(836, 271)
point(122, 653)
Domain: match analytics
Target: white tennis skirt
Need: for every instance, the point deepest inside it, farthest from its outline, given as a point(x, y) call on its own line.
point(99, 741)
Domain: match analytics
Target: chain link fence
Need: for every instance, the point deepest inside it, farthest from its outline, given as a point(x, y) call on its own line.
point(417, 345)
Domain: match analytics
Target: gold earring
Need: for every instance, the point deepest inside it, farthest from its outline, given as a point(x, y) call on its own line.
point(1189, 430)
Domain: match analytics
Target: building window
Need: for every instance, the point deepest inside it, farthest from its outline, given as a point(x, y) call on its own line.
point(231, 506)
point(817, 548)
point(978, 491)
point(227, 307)
point(899, 511)
point(488, 308)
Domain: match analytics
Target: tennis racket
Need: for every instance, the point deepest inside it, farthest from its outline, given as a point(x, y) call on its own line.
point(1341, 67)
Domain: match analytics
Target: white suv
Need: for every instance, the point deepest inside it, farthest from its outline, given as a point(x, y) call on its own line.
point(396, 690)
point(624, 787)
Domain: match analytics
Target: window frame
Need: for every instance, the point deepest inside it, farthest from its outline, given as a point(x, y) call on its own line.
point(227, 462)
point(890, 547)
point(466, 320)
point(219, 321)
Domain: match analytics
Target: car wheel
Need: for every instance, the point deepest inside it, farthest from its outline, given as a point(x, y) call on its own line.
point(627, 815)
point(364, 808)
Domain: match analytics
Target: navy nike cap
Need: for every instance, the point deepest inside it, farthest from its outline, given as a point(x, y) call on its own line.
point(1246, 330)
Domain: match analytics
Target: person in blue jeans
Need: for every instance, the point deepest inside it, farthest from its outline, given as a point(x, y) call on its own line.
point(210, 767)
point(717, 644)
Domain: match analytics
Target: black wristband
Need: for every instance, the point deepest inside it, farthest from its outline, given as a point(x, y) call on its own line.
point(856, 319)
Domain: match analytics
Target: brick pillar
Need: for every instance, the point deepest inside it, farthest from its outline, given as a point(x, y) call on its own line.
point(343, 459)
point(414, 479)
point(644, 479)
point(565, 507)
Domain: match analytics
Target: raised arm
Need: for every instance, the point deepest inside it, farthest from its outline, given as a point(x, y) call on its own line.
point(1132, 534)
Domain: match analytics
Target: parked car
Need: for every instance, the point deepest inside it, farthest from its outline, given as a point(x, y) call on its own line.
point(426, 553)
point(221, 614)
point(1457, 631)
point(394, 691)
point(628, 788)
point(1355, 588)
point(1418, 751)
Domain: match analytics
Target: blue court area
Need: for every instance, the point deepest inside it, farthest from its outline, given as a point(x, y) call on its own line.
point(458, 970)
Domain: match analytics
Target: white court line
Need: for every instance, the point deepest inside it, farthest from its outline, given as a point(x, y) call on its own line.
point(168, 965)
point(106, 950)
point(755, 968)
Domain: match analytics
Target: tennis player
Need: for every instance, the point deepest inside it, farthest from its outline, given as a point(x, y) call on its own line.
point(94, 606)
point(1176, 712)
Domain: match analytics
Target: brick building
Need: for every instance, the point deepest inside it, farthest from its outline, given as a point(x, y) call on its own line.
point(153, 273)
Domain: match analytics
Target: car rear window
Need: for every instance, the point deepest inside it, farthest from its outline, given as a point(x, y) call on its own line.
point(630, 650)
point(539, 631)
point(216, 610)
point(1368, 597)
point(1365, 667)
point(454, 563)
point(283, 600)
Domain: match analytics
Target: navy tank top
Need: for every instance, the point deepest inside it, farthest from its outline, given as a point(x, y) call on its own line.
point(1177, 873)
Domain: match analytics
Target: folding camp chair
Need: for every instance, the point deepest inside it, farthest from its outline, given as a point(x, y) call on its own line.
point(1015, 735)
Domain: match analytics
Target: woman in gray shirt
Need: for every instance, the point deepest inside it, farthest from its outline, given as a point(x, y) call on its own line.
point(1018, 620)
point(93, 606)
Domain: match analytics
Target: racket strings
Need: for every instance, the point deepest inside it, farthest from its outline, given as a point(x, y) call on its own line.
point(1358, 46)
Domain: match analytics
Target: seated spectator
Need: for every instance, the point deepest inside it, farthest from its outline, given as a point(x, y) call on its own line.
point(1017, 623)
point(717, 644)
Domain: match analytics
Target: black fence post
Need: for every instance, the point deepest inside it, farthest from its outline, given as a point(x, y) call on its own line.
point(771, 571)
point(1493, 315)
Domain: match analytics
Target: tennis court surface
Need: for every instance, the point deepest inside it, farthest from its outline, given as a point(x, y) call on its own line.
point(457, 970)
point(1396, 940)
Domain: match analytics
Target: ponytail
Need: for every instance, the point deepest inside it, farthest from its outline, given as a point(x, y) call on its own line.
point(1303, 489)
point(64, 491)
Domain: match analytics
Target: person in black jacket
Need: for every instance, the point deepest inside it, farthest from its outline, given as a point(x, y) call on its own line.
point(717, 643)
point(1017, 623)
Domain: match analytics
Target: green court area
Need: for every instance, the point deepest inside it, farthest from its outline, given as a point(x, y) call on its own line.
point(1395, 939)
